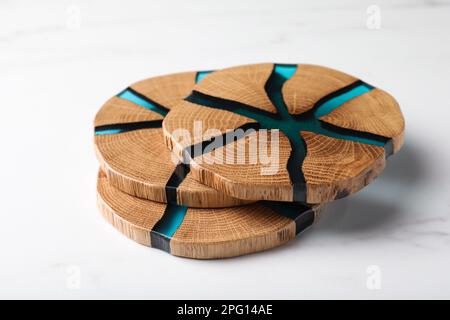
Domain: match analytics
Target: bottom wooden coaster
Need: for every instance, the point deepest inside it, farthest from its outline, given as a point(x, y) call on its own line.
point(203, 233)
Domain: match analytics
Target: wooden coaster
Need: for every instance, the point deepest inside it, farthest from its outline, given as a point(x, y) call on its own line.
point(130, 147)
point(203, 233)
point(335, 132)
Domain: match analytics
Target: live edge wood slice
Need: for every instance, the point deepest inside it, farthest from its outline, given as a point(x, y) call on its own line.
point(199, 232)
point(335, 132)
point(130, 145)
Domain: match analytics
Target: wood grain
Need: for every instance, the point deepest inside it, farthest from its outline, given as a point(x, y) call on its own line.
point(203, 233)
point(381, 114)
point(117, 110)
point(335, 175)
point(245, 179)
point(166, 90)
point(136, 217)
point(309, 84)
point(136, 162)
point(244, 84)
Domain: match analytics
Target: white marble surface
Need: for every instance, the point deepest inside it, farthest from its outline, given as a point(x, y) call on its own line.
point(57, 68)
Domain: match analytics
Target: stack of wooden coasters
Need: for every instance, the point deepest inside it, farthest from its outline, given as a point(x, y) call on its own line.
point(225, 163)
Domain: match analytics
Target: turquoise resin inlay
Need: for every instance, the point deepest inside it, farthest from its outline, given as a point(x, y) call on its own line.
point(129, 95)
point(109, 131)
point(200, 75)
point(171, 220)
point(338, 101)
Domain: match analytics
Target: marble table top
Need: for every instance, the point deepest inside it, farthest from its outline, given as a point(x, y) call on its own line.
point(60, 60)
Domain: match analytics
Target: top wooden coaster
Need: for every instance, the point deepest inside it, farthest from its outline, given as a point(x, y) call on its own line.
point(130, 145)
point(335, 132)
